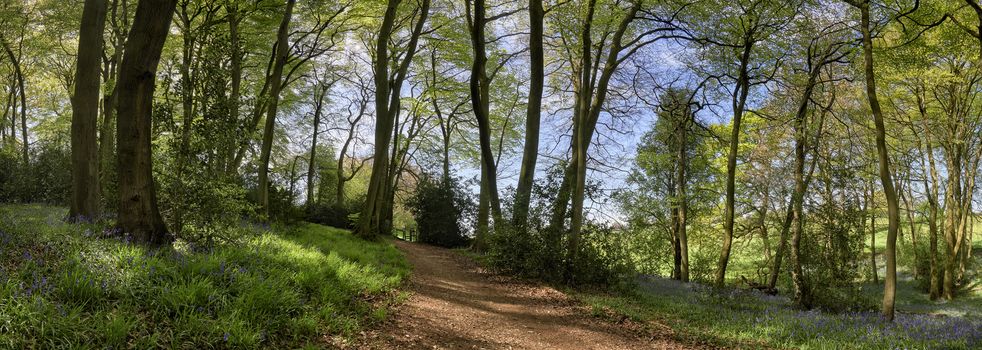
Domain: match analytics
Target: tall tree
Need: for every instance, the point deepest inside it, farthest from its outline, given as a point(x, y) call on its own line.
point(319, 95)
point(481, 104)
point(592, 83)
point(276, 83)
point(19, 90)
point(533, 115)
point(138, 213)
point(387, 105)
point(85, 113)
point(886, 176)
point(752, 23)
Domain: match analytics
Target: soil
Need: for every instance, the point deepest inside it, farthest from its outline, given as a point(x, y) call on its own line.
point(456, 305)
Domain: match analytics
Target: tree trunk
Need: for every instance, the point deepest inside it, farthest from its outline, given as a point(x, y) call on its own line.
point(785, 232)
point(282, 54)
point(19, 78)
point(107, 135)
point(582, 143)
point(886, 177)
point(312, 162)
point(235, 71)
point(739, 103)
point(681, 193)
point(293, 181)
point(85, 114)
point(872, 250)
point(479, 85)
point(387, 102)
point(138, 214)
point(526, 177)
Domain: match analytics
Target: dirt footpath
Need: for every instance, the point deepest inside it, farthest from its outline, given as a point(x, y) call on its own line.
point(456, 306)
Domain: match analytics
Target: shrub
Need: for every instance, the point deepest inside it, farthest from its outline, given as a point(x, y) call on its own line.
point(539, 251)
point(46, 179)
point(438, 206)
point(334, 214)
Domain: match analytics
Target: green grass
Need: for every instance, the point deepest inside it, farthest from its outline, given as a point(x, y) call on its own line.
point(742, 319)
point(62, 286)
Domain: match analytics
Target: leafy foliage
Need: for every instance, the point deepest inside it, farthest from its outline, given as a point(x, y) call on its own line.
point(440, 208)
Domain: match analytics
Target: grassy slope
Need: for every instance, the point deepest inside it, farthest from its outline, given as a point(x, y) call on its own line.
point(63, 286)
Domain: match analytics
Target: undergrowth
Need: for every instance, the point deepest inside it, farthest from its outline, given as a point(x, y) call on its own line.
point(79, 286)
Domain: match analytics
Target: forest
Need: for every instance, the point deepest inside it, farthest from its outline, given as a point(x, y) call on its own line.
point(495, 174)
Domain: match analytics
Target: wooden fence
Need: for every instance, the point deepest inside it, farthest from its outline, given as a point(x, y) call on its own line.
point(409, 234)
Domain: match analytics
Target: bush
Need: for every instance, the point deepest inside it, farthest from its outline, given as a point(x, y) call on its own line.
point(832, 250)
point(334, 215)
point(438, 208)
point(46, 179)
point(540, 252)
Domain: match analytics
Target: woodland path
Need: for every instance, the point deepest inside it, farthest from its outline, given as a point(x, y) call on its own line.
point(456, 305)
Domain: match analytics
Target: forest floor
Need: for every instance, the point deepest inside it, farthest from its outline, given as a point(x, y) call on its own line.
point(455, 304)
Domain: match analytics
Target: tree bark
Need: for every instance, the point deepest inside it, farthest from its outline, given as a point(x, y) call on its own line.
point(739, 104)
point(107, 135)
point(590, 105)
point(480, 100)
point(235, 71)
point(85, 114)
point(886, 177)
point(19, 78)
point(533, 115)
point(387, 104)
point(282, 54)
point(872, 249)
point(312, 162)
point(138, 213)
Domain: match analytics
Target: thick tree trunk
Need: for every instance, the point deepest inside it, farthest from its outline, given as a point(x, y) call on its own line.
point(580, 118)
point(367, 223)
point(85, 114)
point(387, 102)
point(480, 100)
point(138, 214)
point(530, 153)
point(282, 54)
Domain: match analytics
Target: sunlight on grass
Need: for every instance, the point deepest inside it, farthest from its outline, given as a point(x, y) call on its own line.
point(748, 319)
point(67, 285)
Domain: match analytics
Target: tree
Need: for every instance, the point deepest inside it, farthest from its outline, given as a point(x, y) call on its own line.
point(591, 85)
point(533, 116)
point(886, 176)
point(282, 53)
point(480, 83)
point(138, 213)
point(319, 96)
point(85, 114)
point(748, 26)
point(387, 105)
